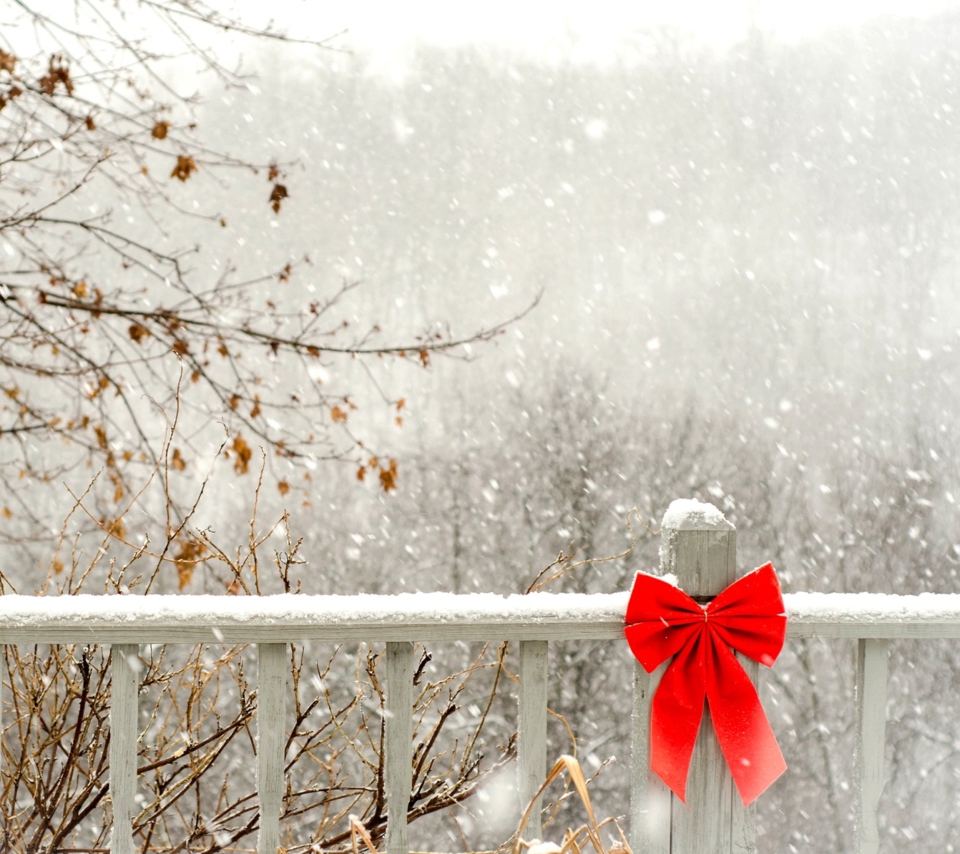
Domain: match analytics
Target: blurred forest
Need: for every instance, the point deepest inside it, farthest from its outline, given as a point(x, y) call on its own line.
point(748, 262)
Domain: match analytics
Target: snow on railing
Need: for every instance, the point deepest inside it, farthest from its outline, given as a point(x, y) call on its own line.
point(698, 548)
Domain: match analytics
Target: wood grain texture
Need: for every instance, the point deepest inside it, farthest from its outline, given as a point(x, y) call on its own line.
point(124, 674)
point(871, 698)
point(271, 741)
point(532, 731)
point(744, 826)
point(650, 799)
point(398, 744)
point(3, 702)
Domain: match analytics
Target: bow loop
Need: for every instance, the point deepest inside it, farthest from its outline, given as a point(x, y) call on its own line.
point(660, 619)
point(748, 617)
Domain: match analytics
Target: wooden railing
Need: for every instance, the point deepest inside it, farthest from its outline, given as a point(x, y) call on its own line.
point(699, 548)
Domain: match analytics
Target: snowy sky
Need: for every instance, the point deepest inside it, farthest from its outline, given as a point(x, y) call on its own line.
point(585, 29)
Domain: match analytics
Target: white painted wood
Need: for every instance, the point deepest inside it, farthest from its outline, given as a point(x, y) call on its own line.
point(744, 827)
point(398, 744)
point(650, 799)
point(705, 823)
point(544, 616)
point(271, 741)
point(702, 554)
point(3, 676)
point(124, 674)
point(871, 701)
point(532, 731)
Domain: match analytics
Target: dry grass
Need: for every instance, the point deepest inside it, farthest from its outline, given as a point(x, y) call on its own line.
point(574, 840)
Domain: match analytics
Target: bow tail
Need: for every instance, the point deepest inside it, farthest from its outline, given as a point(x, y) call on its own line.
point(742, 728)
point(675, 718)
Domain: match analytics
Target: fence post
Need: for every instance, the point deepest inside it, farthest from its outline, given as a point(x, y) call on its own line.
point(699, 546)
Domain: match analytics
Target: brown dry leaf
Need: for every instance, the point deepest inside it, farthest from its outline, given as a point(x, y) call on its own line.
point(277, 195)
point(57, 567)
point(399, 421)
point(99, 387)
point(273, 172)
point(388, 476)
point(256, 407)
point(184, 574)
point(361, 472)
point(118, 493)
point(90, 123)
point(138, 332)
point(7, 513)
point(338, 415)
point(160, 131)
point(101, 435)
point(234, 401)
point(79, 290)
point(186, 559)
point(181, 348)
point(115, 528)
point(177, 461)
point(57, 72)
point(241, 463)
point(8, 62)
point(424, 358)
point(185, 167)
point(12, 392)
point(401, 403)
point(283, 486)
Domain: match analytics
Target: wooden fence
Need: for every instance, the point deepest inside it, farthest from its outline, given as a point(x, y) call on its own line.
point(699, 548)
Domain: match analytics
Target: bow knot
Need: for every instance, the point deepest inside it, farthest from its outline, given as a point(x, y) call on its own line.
point(748, 617)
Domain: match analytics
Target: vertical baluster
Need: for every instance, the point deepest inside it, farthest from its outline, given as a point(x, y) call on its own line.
point(532, 730)
point(3, 676)
point(649, 797)
point(398, 762)
point(271, 741)
point(124, 672)
point(871, 738)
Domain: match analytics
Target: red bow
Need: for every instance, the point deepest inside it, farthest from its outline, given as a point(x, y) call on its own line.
point(747, 617)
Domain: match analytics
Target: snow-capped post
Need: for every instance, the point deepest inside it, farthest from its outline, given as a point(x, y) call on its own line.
point(698, 546)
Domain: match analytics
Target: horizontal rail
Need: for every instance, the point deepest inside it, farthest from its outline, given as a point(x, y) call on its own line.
point(427, 617)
